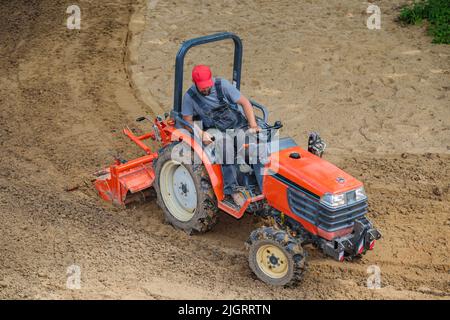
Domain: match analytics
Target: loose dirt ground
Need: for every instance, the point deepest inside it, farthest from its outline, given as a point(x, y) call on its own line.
point(379, 98)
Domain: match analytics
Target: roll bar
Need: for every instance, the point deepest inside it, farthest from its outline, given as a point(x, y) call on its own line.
point(179, 62)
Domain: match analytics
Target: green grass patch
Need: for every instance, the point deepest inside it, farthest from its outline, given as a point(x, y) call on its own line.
point(436, 12)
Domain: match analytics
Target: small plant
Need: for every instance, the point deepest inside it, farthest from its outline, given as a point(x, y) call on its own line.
point(436, 12)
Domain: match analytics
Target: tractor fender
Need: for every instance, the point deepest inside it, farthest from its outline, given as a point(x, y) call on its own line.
point(214, 170)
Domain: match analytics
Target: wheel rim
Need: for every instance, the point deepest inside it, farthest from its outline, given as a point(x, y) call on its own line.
point(272, 261)
point(178, 190)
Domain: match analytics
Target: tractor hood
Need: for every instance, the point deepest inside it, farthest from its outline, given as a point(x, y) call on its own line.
point(297, 166)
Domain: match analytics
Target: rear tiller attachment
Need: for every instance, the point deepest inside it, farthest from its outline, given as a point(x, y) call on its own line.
point(123, 179)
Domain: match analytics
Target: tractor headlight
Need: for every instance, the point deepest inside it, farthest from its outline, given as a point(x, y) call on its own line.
point(342, 199)
point(360, 194)
point(334, 200)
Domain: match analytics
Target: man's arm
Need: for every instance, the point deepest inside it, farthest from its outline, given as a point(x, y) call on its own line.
point(188, 115)
point(205, 136)
point(249, 112)
point(234, 95)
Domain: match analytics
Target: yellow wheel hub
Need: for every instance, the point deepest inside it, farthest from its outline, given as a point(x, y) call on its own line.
point(272, 261)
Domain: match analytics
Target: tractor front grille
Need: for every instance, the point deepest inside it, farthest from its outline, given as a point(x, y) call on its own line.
point(308, 207)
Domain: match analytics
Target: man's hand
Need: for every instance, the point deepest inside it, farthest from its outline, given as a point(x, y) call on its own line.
point(206, 138)
point(254, 130)
point(249, 114)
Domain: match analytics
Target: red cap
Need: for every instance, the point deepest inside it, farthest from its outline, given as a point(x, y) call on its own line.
point(202, 77)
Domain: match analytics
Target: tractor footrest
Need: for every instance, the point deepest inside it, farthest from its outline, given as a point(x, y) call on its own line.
point(234, 210)
point(231, 204)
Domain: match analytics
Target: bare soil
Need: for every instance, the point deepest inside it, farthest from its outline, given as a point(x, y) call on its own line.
point(379, 98)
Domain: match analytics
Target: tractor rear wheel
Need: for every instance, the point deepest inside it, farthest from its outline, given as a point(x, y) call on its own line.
point(276, 257)
point(184, 191)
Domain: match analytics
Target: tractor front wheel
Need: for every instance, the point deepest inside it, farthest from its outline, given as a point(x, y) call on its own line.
point(276, 257)
point(184, 191)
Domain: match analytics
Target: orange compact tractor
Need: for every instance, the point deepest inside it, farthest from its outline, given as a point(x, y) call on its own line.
point(302, 198)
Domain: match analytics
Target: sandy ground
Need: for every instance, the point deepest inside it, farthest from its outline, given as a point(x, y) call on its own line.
point(379, 98)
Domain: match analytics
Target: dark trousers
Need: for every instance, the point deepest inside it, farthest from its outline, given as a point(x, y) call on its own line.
point(225, 151)
point(229, 172)
point(229, 154)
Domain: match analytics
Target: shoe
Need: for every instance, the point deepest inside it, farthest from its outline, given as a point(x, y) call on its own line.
point(240, 196)
point(238, 199)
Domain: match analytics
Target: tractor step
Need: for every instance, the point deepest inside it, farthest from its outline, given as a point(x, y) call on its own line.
point(231, 204)
point(231, 208)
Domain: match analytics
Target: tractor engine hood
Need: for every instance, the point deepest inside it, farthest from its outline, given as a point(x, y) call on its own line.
point(300, 167)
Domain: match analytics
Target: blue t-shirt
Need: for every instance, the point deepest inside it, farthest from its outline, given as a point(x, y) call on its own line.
point(231, 95)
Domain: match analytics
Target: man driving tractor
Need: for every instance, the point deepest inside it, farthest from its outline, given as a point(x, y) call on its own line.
point(307, 199)
point(214, 102)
